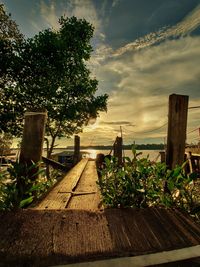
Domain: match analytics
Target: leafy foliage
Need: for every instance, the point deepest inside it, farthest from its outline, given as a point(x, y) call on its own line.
point(50, 72)
point(10, 37)
point(12, 195)
point(140, 183)
point(5, 144)
point(8, 27)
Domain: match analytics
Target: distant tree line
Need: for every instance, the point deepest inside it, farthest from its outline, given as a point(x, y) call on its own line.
point(150, 146)
point(127, 147)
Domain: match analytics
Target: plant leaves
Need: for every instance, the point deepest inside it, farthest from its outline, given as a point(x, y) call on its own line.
point(26, 202)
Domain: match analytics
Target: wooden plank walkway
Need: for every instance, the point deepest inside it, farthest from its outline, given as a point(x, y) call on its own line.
point(77, 190)
point(67, 226)
point(50, 237)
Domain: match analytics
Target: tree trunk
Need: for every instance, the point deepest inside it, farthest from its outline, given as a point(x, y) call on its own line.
point(50, 150)
point(47, 165)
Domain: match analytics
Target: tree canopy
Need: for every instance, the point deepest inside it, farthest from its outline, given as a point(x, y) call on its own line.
point(8, 27)
point(50, 71)
point(9, 37)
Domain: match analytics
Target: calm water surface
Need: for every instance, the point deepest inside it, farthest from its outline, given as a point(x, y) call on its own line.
point(91, 153)
point(153, 154)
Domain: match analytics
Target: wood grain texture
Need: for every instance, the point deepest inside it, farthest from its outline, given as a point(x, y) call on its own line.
point(89, 200)
point(177, 124)
point(77, 190)
point(50, 237)
point(57, 200)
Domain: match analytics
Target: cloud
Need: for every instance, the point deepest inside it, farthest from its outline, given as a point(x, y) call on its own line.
point(140, 76)
point(183, 28)
point(118, 123)
point(115, 3)
point(141, 81)
point(87, 11)
point(50, 13)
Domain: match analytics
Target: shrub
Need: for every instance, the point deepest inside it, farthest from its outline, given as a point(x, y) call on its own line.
point(141, 183)
point(18, 189)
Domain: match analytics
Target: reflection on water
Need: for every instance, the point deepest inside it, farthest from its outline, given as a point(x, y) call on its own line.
point(153, 154)
point(91, 153)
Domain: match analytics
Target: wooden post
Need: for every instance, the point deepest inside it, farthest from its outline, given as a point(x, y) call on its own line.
point(115, 148)
point(100, 161)
point(33, 138)
point(162, 156)
point(76, 149)
point(177, 124)
point(191, 162)
point(118, 150)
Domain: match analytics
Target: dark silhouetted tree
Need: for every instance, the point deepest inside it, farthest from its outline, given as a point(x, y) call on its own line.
point(50, 72)
point(9, 37)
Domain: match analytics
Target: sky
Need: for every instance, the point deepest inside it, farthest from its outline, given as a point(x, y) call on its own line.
point(143, 51)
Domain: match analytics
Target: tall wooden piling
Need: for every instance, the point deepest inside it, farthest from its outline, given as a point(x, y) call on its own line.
point(177, 125)
point(118, 149)
point(33, 138)
point(162, 156)
point(76, 149)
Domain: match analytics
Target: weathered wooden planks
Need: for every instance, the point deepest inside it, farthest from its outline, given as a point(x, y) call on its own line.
point(77, 190)
point(56, 199)
point(49, 237)
point(87, 192)
point(55, 164)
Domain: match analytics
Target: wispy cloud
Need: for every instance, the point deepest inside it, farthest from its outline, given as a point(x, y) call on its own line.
point(50, 12)
point(139, 85)
point(87, 11)
point(115, 3)
point(139, 81)
point(127, 123)
point(104, 52)
point(183, 28)
point(138, 76)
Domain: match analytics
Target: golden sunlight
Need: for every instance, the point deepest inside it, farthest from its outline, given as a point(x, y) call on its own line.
point(92, 153)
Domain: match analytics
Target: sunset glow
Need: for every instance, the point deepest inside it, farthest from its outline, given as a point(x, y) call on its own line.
point(143, 51)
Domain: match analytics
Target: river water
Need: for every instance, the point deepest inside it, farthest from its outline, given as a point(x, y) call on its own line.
point(91, 153)
point(153, 154)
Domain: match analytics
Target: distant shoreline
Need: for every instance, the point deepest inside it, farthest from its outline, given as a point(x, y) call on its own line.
point(138, 147)
point(125, 147)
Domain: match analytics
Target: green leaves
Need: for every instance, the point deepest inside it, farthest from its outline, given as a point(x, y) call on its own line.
point(49, 71)
point(26, 202)
point(9, 28)
point(140, 183)
point(18, 188)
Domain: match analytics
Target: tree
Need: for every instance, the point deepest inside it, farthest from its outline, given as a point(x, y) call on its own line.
point(9, 37)
point(50, 72)
point(8, 27)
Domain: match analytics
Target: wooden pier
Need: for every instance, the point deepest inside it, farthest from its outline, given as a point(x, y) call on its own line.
point(193, 162)
point(77, 190)
point(53, 237)
point(68, 226)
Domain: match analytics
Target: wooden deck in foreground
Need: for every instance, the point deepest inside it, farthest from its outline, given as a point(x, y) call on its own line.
point(67, 227)
point(77, 190)
point(50, 237)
